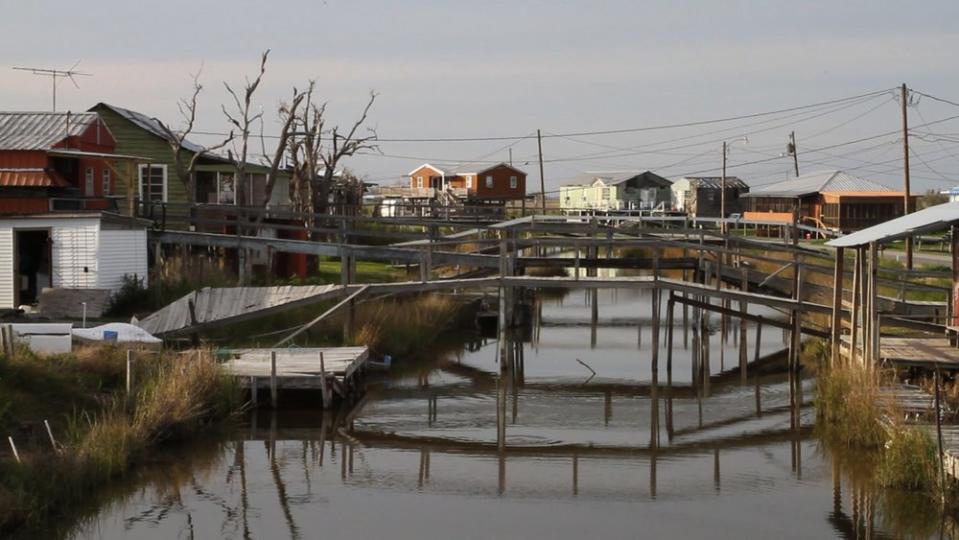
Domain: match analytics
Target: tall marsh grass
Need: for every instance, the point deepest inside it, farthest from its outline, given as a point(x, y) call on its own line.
point(849, 407)
point(102, 430)
point(404, 326)
point(853, 414)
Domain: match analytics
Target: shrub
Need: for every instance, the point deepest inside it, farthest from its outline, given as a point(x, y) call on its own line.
point(133, 297)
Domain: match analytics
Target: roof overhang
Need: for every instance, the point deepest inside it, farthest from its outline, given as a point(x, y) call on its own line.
point(934, 218)
point(95, 155)
point(31, 178)
point(107, 217)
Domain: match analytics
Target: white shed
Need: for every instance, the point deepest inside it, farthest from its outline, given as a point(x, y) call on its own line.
point(68, 251)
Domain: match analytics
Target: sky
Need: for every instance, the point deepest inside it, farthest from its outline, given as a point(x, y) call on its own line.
point(502, 70)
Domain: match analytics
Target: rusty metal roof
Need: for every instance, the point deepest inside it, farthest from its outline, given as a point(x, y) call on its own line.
point(31, 178)
point(819, 182)
point(40, 130)
point(715, 182)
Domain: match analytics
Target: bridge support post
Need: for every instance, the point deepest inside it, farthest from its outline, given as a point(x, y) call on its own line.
point(836, 329)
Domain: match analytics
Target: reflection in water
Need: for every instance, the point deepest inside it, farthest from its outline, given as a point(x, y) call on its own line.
point(506, 439)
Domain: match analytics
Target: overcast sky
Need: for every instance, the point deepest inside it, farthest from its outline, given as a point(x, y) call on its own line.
point(491, 69)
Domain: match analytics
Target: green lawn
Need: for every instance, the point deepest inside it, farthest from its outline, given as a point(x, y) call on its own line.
point(366, 272)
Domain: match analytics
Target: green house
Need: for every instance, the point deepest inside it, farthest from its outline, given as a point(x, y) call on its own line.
point(616, 191)
point(157, 182)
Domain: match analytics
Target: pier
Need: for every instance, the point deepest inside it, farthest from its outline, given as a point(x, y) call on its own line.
point(336, 372)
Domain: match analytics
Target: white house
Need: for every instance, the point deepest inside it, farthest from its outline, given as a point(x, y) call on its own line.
point(68, 251)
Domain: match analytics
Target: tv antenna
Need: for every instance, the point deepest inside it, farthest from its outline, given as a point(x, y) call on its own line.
point(55, 74)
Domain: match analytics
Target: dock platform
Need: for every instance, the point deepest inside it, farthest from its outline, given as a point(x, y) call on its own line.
point(928, 352)
point(337, 372)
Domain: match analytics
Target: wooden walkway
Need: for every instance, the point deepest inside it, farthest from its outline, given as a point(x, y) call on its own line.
point(927, 352)
point(334, 370)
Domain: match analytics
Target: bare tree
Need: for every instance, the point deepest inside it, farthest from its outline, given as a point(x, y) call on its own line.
point(306, 157)
point(344, 146)
point(288, 113)
point(185, 159)
point(242, 118)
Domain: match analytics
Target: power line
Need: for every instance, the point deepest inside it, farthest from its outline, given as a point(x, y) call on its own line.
point(609, 131)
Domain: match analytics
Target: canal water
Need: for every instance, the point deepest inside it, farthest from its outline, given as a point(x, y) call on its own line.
point(573, 446)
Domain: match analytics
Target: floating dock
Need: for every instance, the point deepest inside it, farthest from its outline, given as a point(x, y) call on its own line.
point(337, 373)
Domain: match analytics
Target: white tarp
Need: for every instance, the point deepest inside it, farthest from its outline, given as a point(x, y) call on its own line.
point(121, 333)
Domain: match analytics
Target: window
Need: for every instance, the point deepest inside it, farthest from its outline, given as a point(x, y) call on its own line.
point(513, 182)
point(89, 189)
point(469, 181)
point(226, 189)
point(153, 183)
point(419, 181)
point(106, 182)
point(489, 182)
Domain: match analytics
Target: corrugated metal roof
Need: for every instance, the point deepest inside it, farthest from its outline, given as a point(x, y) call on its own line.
point(30, 178)
point(715, 182)
point(40, 130)
point(222, 304)
point(819, 182)
point(152, 125)
point(927, 220)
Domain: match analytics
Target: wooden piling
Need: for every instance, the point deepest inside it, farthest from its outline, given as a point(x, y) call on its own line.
point(273, 389)
point(856, 306)
point(594, 317)
point(324, 387)
point(53, 441)
point(759, 340)
point(795, 342)
point(836, 330)
point(743, 353)
point(129, 364)
point(16, 455)
point(654, 396)
point(669, 332)
point(874, 303)
point(942, 469)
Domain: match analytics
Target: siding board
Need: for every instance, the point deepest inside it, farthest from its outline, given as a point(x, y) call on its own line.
point(121, 253)
point(6, 269)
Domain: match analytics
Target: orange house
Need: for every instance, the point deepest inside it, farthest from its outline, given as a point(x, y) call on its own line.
point(476, 183)
point(833, 200)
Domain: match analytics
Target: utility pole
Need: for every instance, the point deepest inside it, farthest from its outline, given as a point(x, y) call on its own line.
point(794, 151)
point(510, 157)
point(542, 181)
point(722, 195)
point(905, 167)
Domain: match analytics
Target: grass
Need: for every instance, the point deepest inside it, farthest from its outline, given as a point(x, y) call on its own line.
point(366, 272)
point(404, 327)
point(853, 416)
point(850, 413)
point(102, 430)
point(909, 460)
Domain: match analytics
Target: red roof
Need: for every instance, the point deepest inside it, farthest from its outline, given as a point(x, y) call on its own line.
point(31, 178)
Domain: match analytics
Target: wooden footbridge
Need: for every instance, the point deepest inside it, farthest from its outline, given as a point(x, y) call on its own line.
point(697, 268)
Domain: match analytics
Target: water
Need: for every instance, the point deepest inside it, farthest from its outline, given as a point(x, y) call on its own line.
point(585, 456)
